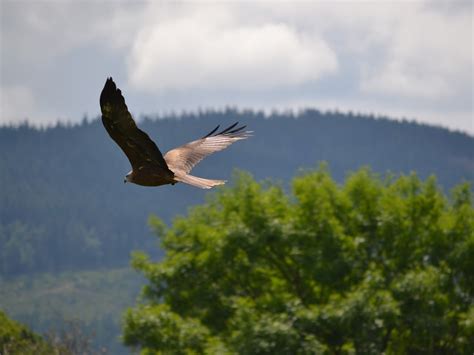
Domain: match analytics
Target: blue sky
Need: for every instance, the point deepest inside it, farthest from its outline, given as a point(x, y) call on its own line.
point(405, 59)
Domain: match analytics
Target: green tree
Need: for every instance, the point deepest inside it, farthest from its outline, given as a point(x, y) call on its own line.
point(376, 265)
point(18, 339)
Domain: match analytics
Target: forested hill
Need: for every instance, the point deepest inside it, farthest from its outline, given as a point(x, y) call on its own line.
point(63, 203)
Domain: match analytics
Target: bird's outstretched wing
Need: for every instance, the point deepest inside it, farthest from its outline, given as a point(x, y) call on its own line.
point(185, 157)
point(118, 122)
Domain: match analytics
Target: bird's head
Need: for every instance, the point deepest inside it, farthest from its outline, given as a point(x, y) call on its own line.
point(128, 178)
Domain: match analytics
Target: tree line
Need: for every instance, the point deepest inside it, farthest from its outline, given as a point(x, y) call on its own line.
point(63, 204)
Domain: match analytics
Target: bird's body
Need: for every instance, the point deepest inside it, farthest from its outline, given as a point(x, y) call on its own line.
point(149, 176)
point(149, 167)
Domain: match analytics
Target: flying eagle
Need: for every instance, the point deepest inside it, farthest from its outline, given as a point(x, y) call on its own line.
point(149, 166)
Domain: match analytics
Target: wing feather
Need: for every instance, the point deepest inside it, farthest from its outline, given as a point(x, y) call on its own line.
point(136, 144)
point(185, 157)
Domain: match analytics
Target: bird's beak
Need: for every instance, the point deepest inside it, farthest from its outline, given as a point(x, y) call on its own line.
point(124, 181)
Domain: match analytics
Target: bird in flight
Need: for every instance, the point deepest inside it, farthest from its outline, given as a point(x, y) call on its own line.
point(149, 166)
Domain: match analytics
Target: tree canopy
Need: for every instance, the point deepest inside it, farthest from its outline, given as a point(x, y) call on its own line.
point(18, 339)
point(15, 338)
point(378, 264)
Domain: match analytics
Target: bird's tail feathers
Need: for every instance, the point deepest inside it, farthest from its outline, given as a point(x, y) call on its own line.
point(197, 181)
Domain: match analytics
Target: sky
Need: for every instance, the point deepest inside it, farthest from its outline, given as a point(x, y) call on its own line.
point(403, 59)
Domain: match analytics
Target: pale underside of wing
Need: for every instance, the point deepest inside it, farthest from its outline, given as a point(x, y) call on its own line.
point(185, 157)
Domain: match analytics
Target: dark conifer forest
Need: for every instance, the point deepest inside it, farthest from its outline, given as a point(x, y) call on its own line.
point(68, 223)
point(64, 206)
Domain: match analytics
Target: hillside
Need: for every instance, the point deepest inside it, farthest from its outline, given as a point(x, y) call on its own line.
point(92, 300)
point(64, 206)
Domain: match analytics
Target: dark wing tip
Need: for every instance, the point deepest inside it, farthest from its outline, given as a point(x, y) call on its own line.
point(229, 131)
point(109, 85)
point(211, 132)
point(110, 94)
point(228, 128)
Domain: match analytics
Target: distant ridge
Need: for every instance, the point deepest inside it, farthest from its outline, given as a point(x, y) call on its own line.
point(63, 204)
point(270, 113)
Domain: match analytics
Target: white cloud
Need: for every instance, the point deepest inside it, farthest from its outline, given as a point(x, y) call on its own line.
point(15, 102)
point(412, 55)
point(412, 49)
point(428, 55)
point(209, 49)
point(395, 79)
